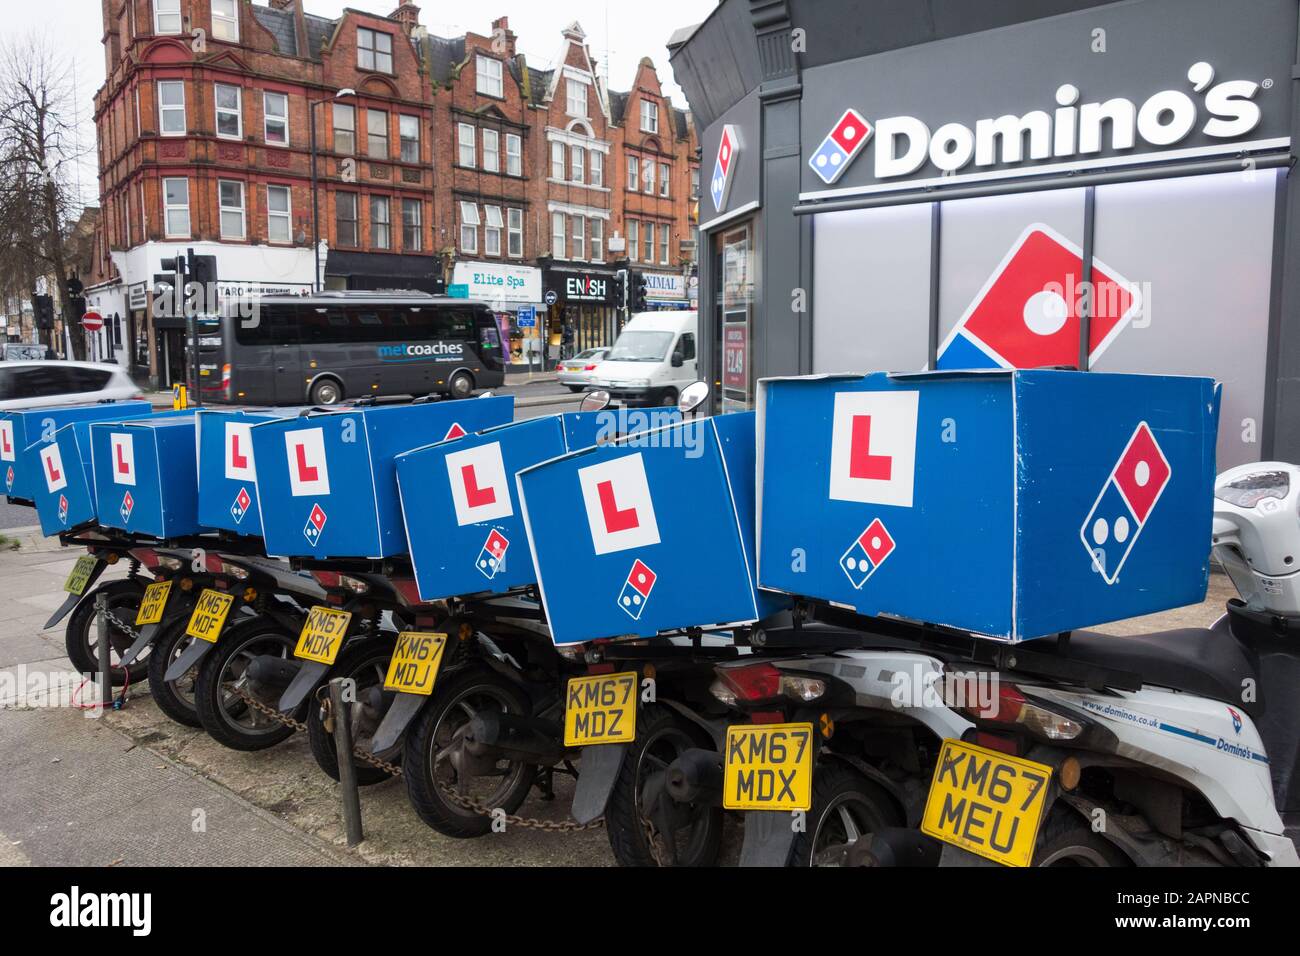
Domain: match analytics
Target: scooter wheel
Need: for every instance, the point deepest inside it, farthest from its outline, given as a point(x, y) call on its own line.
point(367, 664)
point(225, 715)
point(174, 698)
point(432, 763)
point(662, 735)
point(1066, 839)
point(82, 634)
point(846, 807)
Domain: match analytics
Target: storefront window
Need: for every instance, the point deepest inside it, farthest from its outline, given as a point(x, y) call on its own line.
point(735, 303)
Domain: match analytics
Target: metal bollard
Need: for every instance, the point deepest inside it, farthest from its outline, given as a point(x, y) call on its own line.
point(341, 712)
point(105, 652)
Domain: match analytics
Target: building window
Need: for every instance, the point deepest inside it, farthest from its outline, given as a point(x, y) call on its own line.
point(488, 76)
point(231, 195)
point(412, 225)
point(171, 107)
point(491, 151)
point(649, 242)
point(557, 160)
point(167, 19)
point(380, 223)
point(649, 117)
point(374, 50)
point(492, 231)
point(377, 134)
point(176, 207)
point(225, 20)
point(575, 97)
point(578, 161)
point(695, 182)
point(409, 129)
point(345, 129)
point(648, 174)
point(465, 136)
point(663, 179)
point(230, 113)
point(515, 232)
point(663, 244)
point(597, 168)
point(633, 174)
point(557, 235)
point(276, 120)
point(633, 240)
point(279, 214)
point(579, 237)
point(345, 219)
point(597, 239)
point(469, 227)
point(514, 154)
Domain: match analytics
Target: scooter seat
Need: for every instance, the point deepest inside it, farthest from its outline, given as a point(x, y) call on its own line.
point(1209, 662)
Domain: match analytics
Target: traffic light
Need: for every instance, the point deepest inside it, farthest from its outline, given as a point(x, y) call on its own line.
point(638, 296)
point(203, 270)
point(43, 309)
point(620, 289)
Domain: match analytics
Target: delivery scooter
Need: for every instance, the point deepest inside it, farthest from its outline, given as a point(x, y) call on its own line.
point(1186, 753)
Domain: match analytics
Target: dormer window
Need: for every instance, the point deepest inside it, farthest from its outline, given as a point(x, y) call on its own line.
point(649, 117)
point(575, 97)
point(488, 76)
point(374, 50)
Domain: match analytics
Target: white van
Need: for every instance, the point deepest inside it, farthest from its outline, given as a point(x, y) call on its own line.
point(653, 359)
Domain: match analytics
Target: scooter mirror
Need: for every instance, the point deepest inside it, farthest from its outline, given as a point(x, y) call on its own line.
point(594, 401)
point(692, 397)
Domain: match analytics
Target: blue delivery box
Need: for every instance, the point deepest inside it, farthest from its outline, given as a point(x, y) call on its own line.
point(36, 426)
point(146, 475)
point(327, 482)
point(227, 473)
point(1011, 504)
point(651, 533)
point(463, 521)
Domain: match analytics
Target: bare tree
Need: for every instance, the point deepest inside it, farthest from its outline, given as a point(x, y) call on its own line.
point(38, 156)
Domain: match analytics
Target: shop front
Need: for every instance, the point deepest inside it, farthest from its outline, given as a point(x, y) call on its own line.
point(1107, 188)
point(515, 295)
point(581, 309)
point(380, 271)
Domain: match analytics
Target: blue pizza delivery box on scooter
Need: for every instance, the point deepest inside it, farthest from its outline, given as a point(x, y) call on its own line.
point(327, 483)
point(65, 492)
point(651, 533)
point(146, 475)
point(36, 426)
point(463, 521)
point(1011, 504)
point(227, 473)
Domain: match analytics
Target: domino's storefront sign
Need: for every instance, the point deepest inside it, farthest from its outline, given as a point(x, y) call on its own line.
point(1010, 504)
point(663, 539)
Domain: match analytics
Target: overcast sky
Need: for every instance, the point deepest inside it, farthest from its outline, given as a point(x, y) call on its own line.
point(619, 32)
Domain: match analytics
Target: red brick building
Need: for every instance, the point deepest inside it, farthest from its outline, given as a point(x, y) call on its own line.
point(438, 161)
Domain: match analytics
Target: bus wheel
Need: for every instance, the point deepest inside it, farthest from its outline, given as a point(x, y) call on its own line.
point(461, 385)
point(326, 391)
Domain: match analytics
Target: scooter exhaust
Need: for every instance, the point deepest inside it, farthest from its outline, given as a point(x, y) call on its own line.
point(695, 777)
point(268, 670)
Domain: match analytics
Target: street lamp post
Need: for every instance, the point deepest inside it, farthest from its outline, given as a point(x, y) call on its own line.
point(315, 186)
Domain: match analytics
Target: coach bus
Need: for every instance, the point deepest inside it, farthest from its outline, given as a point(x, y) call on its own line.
point(337, 346)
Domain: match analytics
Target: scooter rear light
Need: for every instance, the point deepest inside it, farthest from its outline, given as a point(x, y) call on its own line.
point(754, 683)
point(146, 556)
point(216, 564)
point(408, 591)
point(355, 585)
point(326, 579)
point(1011, 708)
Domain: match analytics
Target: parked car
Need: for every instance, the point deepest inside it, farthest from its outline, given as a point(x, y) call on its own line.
point(576, 372)
point(23, 352)
point(653, 359)
point(53, 382)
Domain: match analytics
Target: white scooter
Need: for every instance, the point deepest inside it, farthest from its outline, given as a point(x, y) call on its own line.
point(1193, 759)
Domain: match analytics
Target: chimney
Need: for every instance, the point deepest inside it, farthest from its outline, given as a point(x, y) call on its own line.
point(503, 38)
point(407, 14)
point(284, 4)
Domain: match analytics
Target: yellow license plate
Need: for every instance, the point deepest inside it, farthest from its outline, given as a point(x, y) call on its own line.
point(987, 802)
point(80, 576)
point(415, 662)
point(209, 615)
point(768, 767)
point(600, 710)
point(322, 636)
point(153, 603)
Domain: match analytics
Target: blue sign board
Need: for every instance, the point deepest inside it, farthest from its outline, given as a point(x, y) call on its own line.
point(651, 533)
point(327, 483)
point(526, 318)
point(36, 426)
point(458, 290)
point(1012, 504)
point(146, 475)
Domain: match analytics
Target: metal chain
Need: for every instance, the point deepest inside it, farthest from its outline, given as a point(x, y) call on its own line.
point(464, 802)
point(651, 838)
point(122, 626)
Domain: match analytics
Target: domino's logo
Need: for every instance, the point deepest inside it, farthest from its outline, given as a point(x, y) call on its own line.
point(240, 508)
point(636, 589)
point(840, 147)
point(867, 553)
point(63, 509)
point(723, 167)
point(315, 525)
point(1125, 503)
point(491, 559)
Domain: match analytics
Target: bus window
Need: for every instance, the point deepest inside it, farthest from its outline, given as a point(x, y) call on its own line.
point(489, 343)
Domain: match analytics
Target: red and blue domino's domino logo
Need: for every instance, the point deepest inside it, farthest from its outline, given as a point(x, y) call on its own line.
point(1125, 503)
